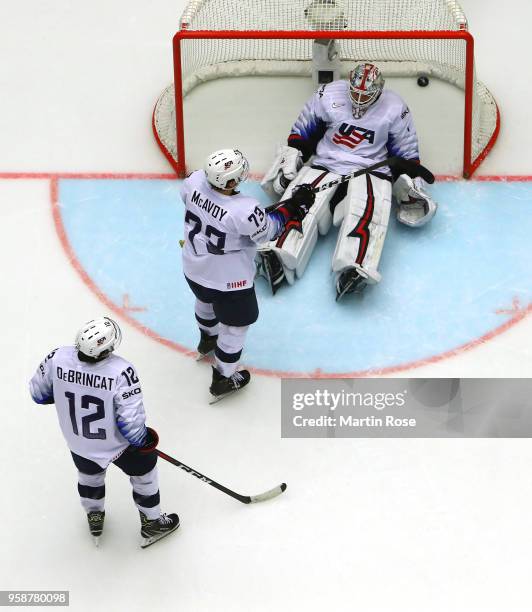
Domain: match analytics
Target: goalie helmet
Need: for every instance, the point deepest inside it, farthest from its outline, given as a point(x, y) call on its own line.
point(98, 338)
point(224, 166)
point(365, 86)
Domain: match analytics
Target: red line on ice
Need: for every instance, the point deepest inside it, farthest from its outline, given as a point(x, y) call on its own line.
point(505, 178)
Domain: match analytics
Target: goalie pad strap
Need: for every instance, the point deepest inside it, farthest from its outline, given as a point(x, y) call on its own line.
point(296, 247)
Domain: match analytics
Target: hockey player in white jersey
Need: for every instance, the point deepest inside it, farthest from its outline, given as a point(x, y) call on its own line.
point(222, 230)
point(100, 408)
point(345, 126)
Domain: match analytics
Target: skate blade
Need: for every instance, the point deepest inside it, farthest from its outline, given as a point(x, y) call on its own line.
point(152, 539)
point(354, 287)
point(202, 356)
point(216, 398)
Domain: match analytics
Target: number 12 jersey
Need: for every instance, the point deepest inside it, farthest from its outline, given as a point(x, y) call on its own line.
point(99, 405)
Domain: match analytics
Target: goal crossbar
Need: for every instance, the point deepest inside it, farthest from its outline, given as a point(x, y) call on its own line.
point(470, 164)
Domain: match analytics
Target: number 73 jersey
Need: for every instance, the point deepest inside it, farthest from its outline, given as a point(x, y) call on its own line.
point(221, 235)
point(99, 405)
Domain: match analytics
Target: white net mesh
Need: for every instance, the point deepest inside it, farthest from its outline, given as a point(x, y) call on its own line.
point(290, 15)
point(205, 59)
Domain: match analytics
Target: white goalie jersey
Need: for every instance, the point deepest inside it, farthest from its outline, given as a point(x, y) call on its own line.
point(342, 143)
point(99, 405)
point(347, 125)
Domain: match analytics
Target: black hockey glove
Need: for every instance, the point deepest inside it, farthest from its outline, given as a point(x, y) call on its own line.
point(150, 444)
point(297, 207)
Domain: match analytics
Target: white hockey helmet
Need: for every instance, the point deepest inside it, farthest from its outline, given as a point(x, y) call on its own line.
point(365, 86)
point(98, 338)
point(225, 165)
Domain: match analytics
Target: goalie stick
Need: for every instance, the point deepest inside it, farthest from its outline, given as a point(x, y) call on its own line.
point(245, 499)
point(403, 166)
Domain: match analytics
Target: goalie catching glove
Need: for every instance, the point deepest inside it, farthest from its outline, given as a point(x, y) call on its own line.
point(415, 206)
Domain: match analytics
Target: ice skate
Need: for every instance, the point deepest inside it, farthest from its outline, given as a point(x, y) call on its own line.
point(96, 520)
point(206, 345)
point(349, 281)
point(222, 386)
point(153, 530)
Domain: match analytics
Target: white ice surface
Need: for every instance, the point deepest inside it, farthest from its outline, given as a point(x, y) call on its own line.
point(389, 525)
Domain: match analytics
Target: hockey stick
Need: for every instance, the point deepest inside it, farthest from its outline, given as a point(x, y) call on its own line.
point(245, 499)
point(404, 166)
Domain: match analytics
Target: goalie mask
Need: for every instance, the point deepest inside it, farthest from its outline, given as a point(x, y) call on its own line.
point(99, 337)
point(365, 86)
point(224, 166)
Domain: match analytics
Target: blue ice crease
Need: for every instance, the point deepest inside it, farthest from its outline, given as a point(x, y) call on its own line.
point(441, 286)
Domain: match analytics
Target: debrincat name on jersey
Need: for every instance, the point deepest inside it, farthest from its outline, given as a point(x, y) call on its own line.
point(88, 380)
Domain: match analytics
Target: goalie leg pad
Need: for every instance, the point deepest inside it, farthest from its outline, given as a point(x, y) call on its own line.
point(293, 248)
point(364, 216)
point(320, 210)
point(294, 253)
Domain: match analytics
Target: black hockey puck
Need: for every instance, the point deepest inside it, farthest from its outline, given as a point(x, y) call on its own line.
point(423, 81)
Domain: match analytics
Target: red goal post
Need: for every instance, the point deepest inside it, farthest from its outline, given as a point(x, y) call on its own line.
point(201, 55)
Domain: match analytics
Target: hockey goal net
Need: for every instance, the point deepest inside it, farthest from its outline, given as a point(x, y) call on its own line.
point(405, 38)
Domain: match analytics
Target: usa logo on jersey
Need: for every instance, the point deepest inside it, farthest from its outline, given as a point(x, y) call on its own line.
point(351, 135)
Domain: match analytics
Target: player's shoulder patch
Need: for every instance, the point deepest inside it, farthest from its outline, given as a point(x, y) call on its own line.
point(405, 112)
